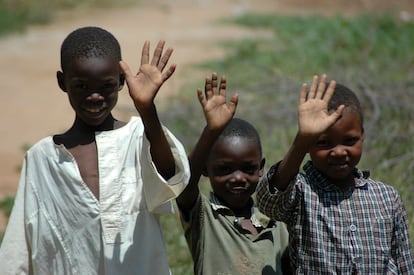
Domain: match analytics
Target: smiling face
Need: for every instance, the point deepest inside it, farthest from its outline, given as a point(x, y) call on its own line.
point(92, 85)
point(234, 167)
point(339, 149)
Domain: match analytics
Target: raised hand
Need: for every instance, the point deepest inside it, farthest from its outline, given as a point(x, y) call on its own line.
point(144, 86)
point(214, 103)
point(314, 116)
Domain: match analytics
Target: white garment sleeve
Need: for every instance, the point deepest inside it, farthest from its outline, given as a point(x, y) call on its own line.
point(15, 250)
point(156, 189)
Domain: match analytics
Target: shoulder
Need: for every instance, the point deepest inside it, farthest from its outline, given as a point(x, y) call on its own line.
point(44, 145)
point(381, 187)
point(382, 193)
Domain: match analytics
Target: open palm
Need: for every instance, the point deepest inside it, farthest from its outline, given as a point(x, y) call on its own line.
point(314, 117)
point(144, 85)
point(216, 109)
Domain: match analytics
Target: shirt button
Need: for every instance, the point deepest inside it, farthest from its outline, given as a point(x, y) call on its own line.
point(236, 221)
point(352, 227)
point(357, 259)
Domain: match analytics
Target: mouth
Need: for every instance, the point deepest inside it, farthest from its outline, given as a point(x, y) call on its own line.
point(95, 109)
point(339, 165)
point(238, 190)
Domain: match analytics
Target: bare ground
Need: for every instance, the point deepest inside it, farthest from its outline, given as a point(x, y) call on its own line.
point(32, 106)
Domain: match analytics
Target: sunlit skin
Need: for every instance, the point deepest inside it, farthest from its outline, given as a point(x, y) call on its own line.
point(92, 85)
point(339, 149)
point(234, 168)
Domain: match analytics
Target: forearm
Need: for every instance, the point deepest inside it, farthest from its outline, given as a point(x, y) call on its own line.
point(197, 160)
point(289, 167)
point(160, 149)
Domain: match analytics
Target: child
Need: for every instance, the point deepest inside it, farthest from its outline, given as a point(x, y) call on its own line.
point(340, 220)
point(88, 198)
point(225, 233)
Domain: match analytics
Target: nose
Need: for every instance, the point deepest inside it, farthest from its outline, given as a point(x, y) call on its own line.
point(338, 151)
point(238, 176)
point(95, 96)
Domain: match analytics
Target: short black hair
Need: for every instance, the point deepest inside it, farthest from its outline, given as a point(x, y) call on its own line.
point(345, 96)
point(238, 127)
point(89, 42)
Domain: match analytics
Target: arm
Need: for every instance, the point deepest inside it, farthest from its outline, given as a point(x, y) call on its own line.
point(217, 113)
point(401, 250)
point(15, 252)
point(143, 87)
point(314, 119)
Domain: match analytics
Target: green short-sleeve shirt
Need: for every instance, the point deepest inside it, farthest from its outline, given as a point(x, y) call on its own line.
point(220, 245)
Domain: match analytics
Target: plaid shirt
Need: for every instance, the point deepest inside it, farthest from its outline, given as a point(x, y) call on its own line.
point(362, 230)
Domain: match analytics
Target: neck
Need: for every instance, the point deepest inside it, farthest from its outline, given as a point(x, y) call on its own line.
point(81, 127)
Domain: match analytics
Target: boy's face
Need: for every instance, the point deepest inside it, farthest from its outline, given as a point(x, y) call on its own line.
point(92, 85)
point(339, 149)
point(234, 168)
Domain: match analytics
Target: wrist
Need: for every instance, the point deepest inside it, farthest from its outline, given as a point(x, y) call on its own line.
point(305, 140)
point(146, 110)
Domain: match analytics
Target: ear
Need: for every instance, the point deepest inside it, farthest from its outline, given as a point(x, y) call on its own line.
point(204, 172)
point(262, 164)
point(363, 134)
point(61, 81)
point(121, 81)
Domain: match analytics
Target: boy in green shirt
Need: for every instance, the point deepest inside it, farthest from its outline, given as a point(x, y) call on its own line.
point(226, 233)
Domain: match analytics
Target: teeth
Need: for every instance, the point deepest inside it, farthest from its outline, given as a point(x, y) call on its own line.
point(93, 110)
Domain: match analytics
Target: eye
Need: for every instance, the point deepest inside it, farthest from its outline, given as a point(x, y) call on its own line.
point(222, 170)
point(351, 141)
point(250, 169)
point(322, 143)
point(109, 86)
point(80, 86)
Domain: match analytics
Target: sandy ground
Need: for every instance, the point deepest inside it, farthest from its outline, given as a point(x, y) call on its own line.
point(33, 107)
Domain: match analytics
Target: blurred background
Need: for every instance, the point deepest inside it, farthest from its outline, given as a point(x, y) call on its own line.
point(266, 48)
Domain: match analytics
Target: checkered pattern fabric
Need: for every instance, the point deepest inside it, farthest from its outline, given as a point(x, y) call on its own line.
point(360, 230)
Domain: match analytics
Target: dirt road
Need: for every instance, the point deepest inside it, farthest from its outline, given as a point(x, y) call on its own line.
point(33, 107)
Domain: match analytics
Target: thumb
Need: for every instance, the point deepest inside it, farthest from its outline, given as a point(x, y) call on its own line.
point(233, 102)
point(126, 70)
point(338, 112)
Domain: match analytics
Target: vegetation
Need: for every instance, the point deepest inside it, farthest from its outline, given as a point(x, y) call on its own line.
point(16, 15)
point(372, 54)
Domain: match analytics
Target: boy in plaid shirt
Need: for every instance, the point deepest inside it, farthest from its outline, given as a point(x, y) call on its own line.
point(340, 221)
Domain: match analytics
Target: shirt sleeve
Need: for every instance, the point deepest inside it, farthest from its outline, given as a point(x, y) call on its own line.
point(278, 205)
point(15, 251)
point(401, 243)
point(159, 191)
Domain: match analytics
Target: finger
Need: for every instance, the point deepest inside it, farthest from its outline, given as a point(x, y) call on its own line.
point(145, 53)
point(321, 87)
point(303, 93)
point(126, 71)
point(329, 92)
point(157, 53)
point(234, 100)
point(169, 72)
point(208, 87)
point(223, 85)
point(164, 59)
point(337, 113)
point(214, 83)
point(312, 90)
point(201, 97)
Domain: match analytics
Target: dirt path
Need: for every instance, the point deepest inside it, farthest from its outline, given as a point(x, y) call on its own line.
point(33, 107)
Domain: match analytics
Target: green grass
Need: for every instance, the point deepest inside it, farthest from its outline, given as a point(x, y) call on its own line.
point(16, 15)
point(372, 54)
